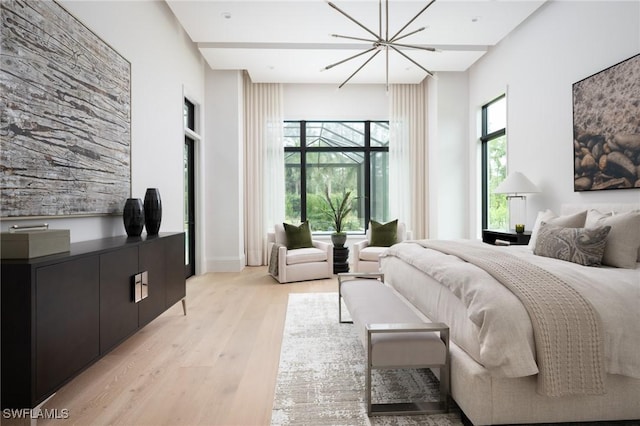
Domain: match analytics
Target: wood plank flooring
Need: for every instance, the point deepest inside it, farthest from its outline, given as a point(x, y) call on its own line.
point(215, 366)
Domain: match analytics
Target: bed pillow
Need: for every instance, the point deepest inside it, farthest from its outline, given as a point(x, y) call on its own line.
point(623, 240)
point(298, 236)
point(569, 221)
point(584, 246)
point(384, 234)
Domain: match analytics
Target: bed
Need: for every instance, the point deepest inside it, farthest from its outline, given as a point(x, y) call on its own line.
point(496, 375)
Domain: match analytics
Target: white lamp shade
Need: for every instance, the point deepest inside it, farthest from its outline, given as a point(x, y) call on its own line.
point(516, 183)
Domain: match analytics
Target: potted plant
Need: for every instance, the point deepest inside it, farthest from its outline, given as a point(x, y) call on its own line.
point(338, 209)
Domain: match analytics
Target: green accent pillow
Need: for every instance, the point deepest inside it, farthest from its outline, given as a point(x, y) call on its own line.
point(298, 236)
point(384, 234)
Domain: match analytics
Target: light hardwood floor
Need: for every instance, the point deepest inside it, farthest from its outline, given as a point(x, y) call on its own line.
point(215, 366)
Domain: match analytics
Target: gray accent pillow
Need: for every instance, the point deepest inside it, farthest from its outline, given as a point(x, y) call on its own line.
point(576, 220)
point(584, 246)
point(623, 241)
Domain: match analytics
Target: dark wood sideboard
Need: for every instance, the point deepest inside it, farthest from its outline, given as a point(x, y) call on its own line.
point(61, 313)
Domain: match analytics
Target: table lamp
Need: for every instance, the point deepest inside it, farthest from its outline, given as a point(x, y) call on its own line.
point(515, 186)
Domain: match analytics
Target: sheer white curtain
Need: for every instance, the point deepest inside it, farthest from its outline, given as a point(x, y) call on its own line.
point(263, 165)
point(408, 157)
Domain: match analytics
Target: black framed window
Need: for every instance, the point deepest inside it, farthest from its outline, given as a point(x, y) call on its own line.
point(189, 112)
point(337, 156)
point(495, 213)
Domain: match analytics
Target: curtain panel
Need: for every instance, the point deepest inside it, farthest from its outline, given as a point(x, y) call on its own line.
point(263, 166)
point(408, 157)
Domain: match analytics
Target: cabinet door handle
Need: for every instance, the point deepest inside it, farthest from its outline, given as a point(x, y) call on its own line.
point(145, 284)
point(140, 286)
point(137, 288)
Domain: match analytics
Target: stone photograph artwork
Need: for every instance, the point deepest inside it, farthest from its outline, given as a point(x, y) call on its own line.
point(66, 115)
point(606, 128)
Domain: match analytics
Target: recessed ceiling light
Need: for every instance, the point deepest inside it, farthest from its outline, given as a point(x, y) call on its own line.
point(226, 15)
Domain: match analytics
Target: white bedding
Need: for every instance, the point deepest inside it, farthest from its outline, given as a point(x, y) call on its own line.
point(491, 324)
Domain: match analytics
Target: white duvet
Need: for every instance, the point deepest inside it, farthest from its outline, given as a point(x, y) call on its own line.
point(494, 327)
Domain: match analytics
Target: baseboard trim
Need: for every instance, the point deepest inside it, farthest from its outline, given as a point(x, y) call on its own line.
point(225, 264)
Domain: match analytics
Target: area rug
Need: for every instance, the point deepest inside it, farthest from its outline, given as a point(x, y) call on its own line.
point(321, 373)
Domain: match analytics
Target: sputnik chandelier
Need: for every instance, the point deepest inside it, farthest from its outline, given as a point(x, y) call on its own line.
point(379, 43)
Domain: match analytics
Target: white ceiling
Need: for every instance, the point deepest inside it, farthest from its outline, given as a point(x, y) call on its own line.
point(290, 42)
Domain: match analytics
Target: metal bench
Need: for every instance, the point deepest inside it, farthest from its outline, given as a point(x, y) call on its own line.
point(394, 337)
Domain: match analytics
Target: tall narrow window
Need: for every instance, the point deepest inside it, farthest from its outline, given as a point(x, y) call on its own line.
point(338, 156)
point(494, 163)
point(190, 137)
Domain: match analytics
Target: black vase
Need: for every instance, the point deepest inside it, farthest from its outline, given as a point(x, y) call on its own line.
point(152, 211)
point(133, 217)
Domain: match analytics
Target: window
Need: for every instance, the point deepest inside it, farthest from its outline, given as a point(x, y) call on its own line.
point(337, 156)
point(494, 163)
point(189, 113)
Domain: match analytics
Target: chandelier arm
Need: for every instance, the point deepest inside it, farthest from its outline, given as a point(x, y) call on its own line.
point(368, 40)
point(414, 62)
point(380, 18)
point(354, 20)
point(328, 67)
point(413, 46)
point(387, 18)
point(359, 68)
point(407, 35)
point(409, 23)
point(387, 76)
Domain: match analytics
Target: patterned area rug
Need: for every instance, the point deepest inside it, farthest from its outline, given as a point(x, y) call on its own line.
point(321, 373)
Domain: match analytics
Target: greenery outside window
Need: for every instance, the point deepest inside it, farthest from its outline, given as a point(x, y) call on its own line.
point(494, 163)
point(340, 156)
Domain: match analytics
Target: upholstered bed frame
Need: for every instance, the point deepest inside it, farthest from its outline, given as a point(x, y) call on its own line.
point(488, 400)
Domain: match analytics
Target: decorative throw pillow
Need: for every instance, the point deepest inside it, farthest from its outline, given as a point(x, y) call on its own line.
point(623, 240)
point(584, 246)
point(298, 236)
point(570, 221)
point(384, 234)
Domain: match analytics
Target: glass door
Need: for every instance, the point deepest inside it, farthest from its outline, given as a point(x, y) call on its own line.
point(189, 208)
point(189, 187)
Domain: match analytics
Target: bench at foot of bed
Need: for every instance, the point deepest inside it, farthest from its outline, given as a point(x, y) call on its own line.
point(394, 337)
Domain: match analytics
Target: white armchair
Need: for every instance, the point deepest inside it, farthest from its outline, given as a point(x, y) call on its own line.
point(366, 258)
point(299, 264)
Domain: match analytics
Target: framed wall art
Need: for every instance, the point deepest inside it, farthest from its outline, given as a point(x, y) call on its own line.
point(66, 115)
point(606, 128)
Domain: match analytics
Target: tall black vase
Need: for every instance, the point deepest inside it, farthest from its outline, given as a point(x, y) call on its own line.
point(152, 211)
point(133, 217)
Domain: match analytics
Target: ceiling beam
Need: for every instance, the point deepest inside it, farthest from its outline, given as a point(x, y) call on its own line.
point(332, 46)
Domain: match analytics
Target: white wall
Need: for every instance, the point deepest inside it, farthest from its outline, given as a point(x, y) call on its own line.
point(560, 44)
point(223, 178)
point(448, 155)
point(327, 102)
point(164, 62)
